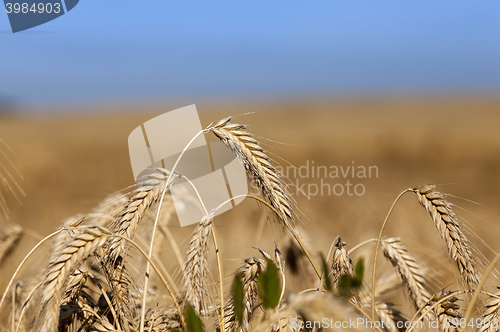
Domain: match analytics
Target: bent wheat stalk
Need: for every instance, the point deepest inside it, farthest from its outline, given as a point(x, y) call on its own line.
point(375, 255)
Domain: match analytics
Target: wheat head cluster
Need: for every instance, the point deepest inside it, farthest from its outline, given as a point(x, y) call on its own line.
point(104, 272)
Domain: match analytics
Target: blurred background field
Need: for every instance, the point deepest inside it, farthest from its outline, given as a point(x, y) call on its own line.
point(70, 162)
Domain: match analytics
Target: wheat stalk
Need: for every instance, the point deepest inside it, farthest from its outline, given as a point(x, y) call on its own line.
point(409, 271)
point(450, 229)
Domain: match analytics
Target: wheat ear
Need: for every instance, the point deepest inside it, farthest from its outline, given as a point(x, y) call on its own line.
point(450, 229)
point(409, 271)
point(256, 162)
point(491, 315)
point(342, 263)
point(143, 197)
point(162, 320)
point(119, 280)
point(196, 268)
point(62, 263)
point(249, 272)
point(259, 168)
point(446, 311)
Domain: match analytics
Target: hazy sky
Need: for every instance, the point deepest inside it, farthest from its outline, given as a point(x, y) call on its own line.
point(105, 51)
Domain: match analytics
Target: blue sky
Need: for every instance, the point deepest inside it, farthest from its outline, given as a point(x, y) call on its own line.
point(108, 51)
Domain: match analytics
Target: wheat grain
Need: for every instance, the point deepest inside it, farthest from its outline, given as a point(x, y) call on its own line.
point(449, 227)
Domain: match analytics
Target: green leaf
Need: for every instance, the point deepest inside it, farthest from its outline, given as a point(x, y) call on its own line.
point(326, 274)
point(359, 273)
point(345, 286)
point(268, 285)
point(193, 322)
point(348, 284)
point(237, 292)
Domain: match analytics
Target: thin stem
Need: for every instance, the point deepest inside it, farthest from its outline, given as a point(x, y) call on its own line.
point(360, 245)
point(161, 266)
point(260, 227)
point(220, 317)
point(146, 280)
point(378, 246)
point(24, 261)
point(174, 245)
point(219, 260)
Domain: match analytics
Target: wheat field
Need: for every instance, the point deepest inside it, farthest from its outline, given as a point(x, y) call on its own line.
point(407, 185)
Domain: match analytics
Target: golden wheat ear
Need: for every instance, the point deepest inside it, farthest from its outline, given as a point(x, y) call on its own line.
point(450, 229)
point(196, 268)
point(256, 162)
point(447, 311)
point(491, 314)
point(412, 276)
point(250, 271)
point(342, 263)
